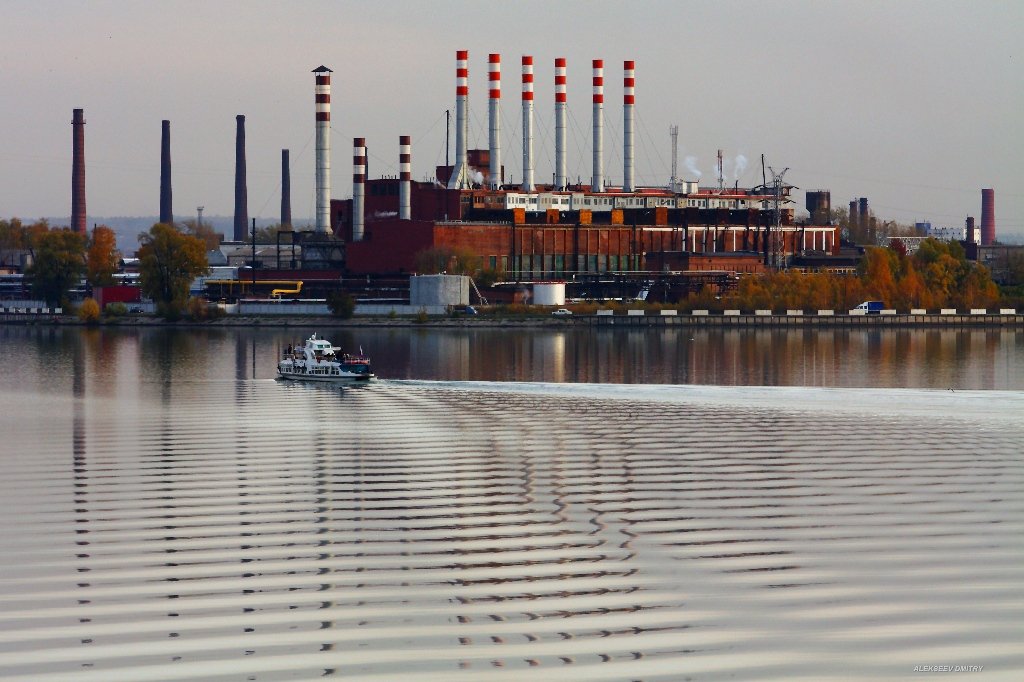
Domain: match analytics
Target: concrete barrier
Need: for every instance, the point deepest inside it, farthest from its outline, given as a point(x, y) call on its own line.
point(1007, 311)
point(604, 313)
point(826, 313)
point(635, 313)
point(918, 311)
point(947, 311)
point(979, 311)
point(858, 312)
point(670, 312)
point(887, 311)
point(762, 312)
point(794, 312)
point(731, 312)
point(699, 312)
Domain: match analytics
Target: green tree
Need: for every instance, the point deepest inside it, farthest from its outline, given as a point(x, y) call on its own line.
point(341, 304)
point(58, 264)
point(101, 257)
point(168, 262)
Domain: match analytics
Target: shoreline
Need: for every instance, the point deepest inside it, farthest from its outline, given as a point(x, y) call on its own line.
point(655, 321)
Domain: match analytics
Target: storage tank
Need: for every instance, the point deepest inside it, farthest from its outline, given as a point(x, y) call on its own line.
point(438, 290)
point(549, 293)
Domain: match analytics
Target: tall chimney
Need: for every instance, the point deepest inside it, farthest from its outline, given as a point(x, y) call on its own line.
point(286, 191)
point(494, 118)
point(166, 214)
point(459, 176)
point(864, 214)
point(323, 149)
point(854, 219)
point(598, 179)
point(969, 234)
point(404, 177)
point(358, 187)
point(78, 171)
point(988, 217)
point(560, 109)
point(241, 202)
point(528, 185)
point(628, 82)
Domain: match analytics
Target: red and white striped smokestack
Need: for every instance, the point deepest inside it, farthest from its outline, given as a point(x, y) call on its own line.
point(358, 188)
point(528, 185)
point(323, 149)
point(459, 177)
point(560, 106)
point(404, 177)
point(494, 118)
point(598, 179)
point(628, 82)
point(78, 223)
point(988, 217)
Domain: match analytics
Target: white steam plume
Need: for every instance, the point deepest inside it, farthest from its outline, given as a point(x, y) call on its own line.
point(740, 166)
point(691, 165)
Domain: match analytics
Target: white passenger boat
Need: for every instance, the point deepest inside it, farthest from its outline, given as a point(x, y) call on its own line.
point(319, 360)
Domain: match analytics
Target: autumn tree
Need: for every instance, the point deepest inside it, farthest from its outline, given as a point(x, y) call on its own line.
point(58, 264)
point(204, 231)
point(168, 262)
point(444, 259)
point(101, 257)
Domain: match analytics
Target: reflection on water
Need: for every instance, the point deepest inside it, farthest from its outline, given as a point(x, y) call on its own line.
point(901, 358)
point(163, 515)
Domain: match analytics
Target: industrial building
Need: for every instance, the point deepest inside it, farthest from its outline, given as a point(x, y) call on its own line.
point(561, 230)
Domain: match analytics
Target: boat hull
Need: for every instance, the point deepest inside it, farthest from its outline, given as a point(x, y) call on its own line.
point(329, 379)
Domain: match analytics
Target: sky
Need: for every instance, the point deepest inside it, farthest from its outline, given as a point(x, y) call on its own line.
point(914, 105)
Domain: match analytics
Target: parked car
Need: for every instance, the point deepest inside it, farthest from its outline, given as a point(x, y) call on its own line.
point(562, 312)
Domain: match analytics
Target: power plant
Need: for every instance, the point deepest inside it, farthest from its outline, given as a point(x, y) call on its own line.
point(584, 233)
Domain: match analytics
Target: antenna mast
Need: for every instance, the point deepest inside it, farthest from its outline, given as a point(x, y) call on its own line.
point(776, 247)
point(673, 182)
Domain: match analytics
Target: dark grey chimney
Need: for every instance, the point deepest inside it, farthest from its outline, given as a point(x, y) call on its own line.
point(78, 171)
point(241, 202)
point(166, 214)
point(286, 191)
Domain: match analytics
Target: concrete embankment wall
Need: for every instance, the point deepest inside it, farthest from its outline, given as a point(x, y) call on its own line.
point(745, 320)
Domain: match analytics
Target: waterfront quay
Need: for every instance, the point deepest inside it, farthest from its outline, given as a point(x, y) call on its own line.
point(824, 318)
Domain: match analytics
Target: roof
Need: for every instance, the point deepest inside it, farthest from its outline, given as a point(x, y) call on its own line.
point(322, 69)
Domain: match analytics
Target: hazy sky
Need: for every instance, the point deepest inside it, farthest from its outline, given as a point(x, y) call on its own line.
point(915, 105)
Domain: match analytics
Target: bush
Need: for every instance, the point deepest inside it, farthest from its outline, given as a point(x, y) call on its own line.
point(89, 311)
point(198, 309)
point(341, 304)
point(115, 310)
point(422, 316)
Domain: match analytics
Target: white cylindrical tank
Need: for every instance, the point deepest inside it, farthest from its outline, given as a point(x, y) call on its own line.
point(549, 293)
